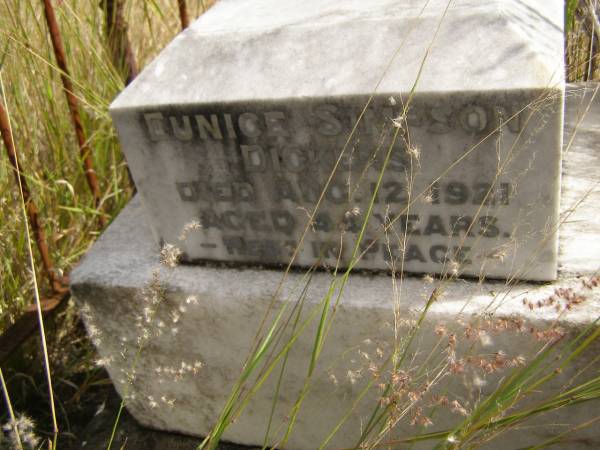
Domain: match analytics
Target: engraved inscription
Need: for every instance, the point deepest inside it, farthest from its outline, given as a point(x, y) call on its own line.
point(253, 174)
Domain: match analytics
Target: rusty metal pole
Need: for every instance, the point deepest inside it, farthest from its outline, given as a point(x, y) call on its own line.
point(119, 45)
point(32, 211)
point(84, 148)
point(183, 14)
point(118, 40)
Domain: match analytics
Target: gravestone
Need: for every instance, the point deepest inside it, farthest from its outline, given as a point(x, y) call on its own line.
point(263, 110)
point(211, 314)
point(239, 125)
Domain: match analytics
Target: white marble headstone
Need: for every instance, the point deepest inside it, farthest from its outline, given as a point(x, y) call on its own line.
point(241, 120)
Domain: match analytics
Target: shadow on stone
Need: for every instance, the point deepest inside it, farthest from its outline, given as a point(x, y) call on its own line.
point(132, 436)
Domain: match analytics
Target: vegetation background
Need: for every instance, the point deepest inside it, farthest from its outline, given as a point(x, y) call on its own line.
point(99, 63)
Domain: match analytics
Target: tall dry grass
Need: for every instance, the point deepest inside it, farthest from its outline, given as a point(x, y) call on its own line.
point(43, 132)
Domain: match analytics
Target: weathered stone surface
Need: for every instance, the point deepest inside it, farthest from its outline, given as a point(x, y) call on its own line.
point(217, 326)
point(241, 121)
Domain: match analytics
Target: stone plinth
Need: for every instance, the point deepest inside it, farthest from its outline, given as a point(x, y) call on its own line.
point(262, 105)
point(211, 315)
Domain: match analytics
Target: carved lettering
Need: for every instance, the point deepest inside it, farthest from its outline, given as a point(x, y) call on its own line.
point(254, 158)
point(254, 177)
point(155, 126)
point(330, 125)
point(205, 127)
point(275, 127)
point(182, 131)
point(249, 124)
point(473, 119)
